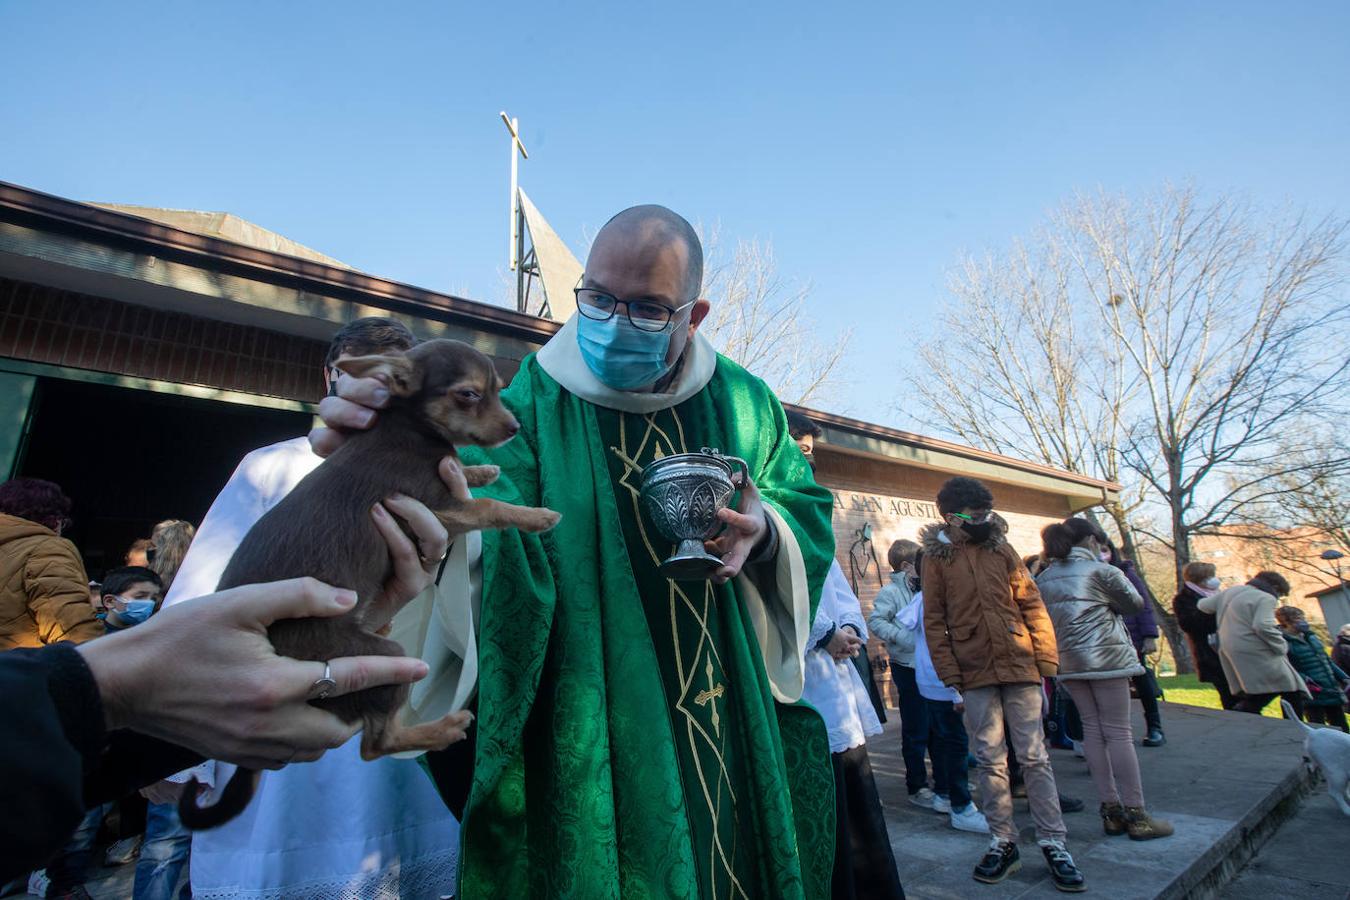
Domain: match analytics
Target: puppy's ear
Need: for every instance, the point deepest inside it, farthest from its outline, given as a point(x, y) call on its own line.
point(397, 371)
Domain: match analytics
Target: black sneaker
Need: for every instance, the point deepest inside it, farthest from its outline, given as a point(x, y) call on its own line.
point(1062, 870)
point(1070, 804)
point(1155, 738)
point(1000, 861)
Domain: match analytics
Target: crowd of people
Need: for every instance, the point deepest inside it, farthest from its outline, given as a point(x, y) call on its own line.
point(626, 732)
point(46, 599)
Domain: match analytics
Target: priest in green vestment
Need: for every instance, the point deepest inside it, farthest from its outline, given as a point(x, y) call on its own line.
point(636, 736)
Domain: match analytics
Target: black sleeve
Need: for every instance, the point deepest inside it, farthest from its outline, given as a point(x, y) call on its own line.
point(53, 725)
point(56, 756)
point(1192, 620)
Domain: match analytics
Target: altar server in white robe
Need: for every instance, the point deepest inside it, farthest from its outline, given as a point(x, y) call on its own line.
point(339, 827)
point(864, 865)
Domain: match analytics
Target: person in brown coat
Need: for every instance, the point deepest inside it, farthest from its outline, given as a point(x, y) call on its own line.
point(44, 592)
point(991, 639)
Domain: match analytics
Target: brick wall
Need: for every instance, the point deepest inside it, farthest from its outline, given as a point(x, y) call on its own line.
point(62, 328)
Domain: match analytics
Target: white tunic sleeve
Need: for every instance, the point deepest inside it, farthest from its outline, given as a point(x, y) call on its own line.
point(259, 482)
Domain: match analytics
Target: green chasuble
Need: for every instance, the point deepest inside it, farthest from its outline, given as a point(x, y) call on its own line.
point(628, 741)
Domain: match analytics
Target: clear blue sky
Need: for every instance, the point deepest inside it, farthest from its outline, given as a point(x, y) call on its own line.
point(872, 143)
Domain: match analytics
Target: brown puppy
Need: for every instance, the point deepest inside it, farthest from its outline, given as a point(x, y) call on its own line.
point(443, 394)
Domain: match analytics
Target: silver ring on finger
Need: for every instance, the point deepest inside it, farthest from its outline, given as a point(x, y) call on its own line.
point(325, 685)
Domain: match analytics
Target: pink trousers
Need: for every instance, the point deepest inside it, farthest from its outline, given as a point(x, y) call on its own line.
point(1108, 742)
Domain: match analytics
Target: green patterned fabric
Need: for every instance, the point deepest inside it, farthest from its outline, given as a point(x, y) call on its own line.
point(598, 771)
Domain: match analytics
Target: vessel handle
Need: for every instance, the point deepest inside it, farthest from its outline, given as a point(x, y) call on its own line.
point(738, 479)
point(742, 478)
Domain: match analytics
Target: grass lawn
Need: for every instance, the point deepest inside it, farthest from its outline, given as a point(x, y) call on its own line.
point(1191, 690)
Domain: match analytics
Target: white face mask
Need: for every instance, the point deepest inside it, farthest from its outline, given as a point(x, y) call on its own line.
point(1211, 583)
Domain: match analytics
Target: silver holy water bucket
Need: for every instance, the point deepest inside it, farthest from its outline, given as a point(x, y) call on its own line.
point(681, 496)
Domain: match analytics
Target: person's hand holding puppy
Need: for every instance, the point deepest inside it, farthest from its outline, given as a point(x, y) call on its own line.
point(415, 564)
point(203, 675)
point(354, 408)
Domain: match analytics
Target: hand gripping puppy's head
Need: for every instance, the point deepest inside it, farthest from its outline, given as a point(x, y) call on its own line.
point(449, 386)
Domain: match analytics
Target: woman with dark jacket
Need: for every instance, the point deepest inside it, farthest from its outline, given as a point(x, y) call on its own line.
point(1200, 580)
point(1340, 649)
point(1143, 628)
point(1326, 681)
point(1087, 600)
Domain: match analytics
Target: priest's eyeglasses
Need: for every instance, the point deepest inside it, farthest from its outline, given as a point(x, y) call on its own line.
point(646, 315)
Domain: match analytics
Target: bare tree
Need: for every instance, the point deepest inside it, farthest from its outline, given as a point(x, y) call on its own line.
point(1229, 330)
point(759, 319)
point(1170, 345)
point(1017, 365)
point(1304, 508)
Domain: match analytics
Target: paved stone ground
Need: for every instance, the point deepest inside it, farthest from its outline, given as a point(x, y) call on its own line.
point(1309, 858)
point(1218, 774)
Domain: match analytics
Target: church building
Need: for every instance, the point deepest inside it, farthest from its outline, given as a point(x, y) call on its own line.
point(144, 351)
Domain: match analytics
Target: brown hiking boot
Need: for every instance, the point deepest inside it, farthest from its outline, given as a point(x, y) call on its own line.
point(1143, 827)
point(1113, 819)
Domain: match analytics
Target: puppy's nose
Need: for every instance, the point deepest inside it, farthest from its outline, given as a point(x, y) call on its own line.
point(512, 428)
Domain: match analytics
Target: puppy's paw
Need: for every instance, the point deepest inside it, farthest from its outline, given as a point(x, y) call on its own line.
point(536, 519)
point(481, 476)
point(451, 728)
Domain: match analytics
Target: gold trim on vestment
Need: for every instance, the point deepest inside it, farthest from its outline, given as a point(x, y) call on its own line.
point(706, 650)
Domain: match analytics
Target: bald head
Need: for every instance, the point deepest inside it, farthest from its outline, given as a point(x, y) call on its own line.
point(654, 236)
point(649, 254)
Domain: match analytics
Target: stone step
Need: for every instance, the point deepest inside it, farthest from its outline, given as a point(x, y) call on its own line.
point(1226, 781)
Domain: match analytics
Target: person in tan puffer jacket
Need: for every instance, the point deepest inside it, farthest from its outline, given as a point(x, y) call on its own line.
point(991, 639)
point(44, 591)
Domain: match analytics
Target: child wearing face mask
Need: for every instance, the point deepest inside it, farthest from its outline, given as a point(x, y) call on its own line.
point(1087, 600)
point(1326, 682)
point(1199, 580)
point(991, 641)
point(127, 597)
point(131, 594)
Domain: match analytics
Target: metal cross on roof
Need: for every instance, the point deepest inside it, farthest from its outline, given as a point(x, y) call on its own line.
point(513, 126)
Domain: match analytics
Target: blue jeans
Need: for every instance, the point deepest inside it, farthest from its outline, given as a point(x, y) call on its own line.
point(68, 869)
point(164, 853)
point(913, 727)
point(950, 744)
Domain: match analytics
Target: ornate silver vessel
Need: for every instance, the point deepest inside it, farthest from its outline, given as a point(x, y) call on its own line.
point(681, 496)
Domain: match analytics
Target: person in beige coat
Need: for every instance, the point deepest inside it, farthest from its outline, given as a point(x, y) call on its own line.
point(1252, 649)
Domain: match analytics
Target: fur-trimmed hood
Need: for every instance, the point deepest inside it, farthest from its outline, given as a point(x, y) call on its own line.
point(933, 545)
point(983, 616)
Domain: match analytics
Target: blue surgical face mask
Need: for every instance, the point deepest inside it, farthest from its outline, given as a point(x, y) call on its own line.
point(136, 611)
point(621, 356)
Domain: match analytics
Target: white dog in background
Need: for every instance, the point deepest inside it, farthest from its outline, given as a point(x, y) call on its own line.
point(1330, 750)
